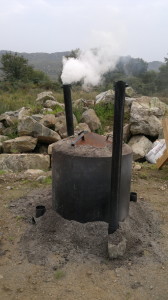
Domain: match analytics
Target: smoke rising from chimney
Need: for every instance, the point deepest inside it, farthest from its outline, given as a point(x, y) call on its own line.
point(90, 65)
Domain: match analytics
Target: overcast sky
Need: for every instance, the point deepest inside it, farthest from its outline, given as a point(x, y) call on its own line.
point(129, 27)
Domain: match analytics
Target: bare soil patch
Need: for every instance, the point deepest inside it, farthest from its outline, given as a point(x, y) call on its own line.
point(60, 259)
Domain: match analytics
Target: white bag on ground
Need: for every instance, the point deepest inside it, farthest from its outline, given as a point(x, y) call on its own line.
point(156, 152)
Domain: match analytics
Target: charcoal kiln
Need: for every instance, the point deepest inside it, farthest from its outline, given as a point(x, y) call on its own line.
point(91, 173)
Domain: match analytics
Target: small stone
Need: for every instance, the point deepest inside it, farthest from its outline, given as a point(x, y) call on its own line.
point(136, 285)
point(1, 277)
point(131, 273)
point(34, 172)
point(163, 187)
point(89, 273)
point(151, 287)
point(20, 290)
point(137, 167)
point(41, 178)
point(116, 244)
point(9, 188)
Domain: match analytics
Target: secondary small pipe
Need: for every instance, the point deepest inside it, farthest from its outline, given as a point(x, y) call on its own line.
point(116, 156)
point(68, 109)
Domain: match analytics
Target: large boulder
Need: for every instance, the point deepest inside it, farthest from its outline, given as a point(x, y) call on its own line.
point(42, 97)
point(10, 131)
point(30, 127)
point(129, 92)
point(1, 147)
point(60, 125)
point(105, 97)
point(128, 103)
point(7, 120)
point(82, 127)
point(3, 138)
point(20, 145)
point(37, 117)
point(48, 121)
point(53, 104)
point(126, 133)
point(60, 122)
point(50, 148)
point(91, 119)
point(46, 110)
point(22, 162)
point(140, 146)
point(24, 112)
point(146, 114)
point(2, 127)
point(81, 103)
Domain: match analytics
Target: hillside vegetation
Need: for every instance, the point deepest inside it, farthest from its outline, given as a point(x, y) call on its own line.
point(21, 82)
point(51, 63)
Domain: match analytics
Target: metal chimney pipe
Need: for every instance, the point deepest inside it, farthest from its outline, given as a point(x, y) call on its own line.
point(68, 109)
point(116, 156)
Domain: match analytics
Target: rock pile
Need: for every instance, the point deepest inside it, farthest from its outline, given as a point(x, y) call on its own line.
point(146, 115)
point(26, 139)
point(145, 123)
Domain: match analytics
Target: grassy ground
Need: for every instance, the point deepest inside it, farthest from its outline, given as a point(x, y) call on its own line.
point(15, 99)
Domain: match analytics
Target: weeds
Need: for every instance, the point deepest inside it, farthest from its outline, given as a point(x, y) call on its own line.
point(78, 113)
point(47, 180)
point(11, 238)
point(11, 101)
point(143, 176)
point(2, 172)
point(59, 274)
point(105, 113)
point(55, 111)
point(19, 218)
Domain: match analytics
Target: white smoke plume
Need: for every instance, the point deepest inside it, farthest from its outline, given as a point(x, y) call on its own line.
point(89, 66)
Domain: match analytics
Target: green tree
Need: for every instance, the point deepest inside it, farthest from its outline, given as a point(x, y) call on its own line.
point(136, 67)
point(73, 54)
point(15, 67)
point(149, 80)
point(162, 80)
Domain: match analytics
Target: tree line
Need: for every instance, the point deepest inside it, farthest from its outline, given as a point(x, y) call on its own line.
point(17, 71)
point(135, 72)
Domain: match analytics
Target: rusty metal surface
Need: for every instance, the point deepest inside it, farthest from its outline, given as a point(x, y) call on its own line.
point(92, 139)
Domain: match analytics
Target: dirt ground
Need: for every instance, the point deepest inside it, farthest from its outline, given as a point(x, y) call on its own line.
point(60, 259)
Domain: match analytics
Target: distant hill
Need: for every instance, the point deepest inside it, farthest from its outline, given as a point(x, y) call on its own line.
point(154, 65)
point(51, 64)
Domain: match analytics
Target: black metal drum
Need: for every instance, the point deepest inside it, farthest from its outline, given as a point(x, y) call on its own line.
point(81, 173)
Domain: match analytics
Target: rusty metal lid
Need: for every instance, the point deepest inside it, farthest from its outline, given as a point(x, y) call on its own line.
point(93, 145)
point(92, 139)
